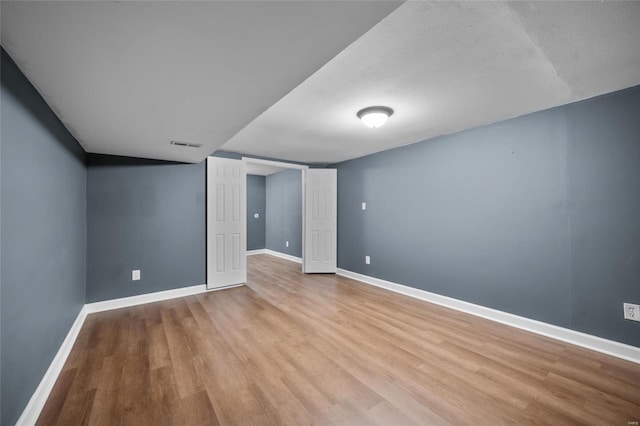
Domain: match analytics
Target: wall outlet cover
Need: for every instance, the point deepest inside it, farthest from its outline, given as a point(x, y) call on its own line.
point(367, 260)
point(364, 206)
point(286, 243)
point(135, 275)
point(631, 312)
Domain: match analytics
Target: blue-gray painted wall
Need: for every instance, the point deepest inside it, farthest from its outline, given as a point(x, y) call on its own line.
point(147, 215)
point(284, 212)
point(43, 189)
point(537, 216)
point(603, 181)
point(256, 204)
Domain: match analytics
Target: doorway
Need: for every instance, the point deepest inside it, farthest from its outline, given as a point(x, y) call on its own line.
point(274, 208)
point(227, 218)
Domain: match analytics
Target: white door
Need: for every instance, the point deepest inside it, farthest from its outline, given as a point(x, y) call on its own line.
point(226, 222)
point(320, 220)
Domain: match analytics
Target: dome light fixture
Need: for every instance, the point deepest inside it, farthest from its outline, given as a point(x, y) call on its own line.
point(375, 116)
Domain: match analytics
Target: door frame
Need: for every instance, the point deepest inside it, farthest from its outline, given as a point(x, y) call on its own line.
point(292, 166)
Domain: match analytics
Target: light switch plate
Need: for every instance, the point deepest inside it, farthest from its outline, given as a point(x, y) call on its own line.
point(135, 275)
point(364, 206)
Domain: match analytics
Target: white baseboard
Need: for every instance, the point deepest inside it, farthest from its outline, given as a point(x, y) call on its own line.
point(283, 255)
point(258, 251)
point(141, 299)
point(609, 347)
point(39, 398)
point(226, 287)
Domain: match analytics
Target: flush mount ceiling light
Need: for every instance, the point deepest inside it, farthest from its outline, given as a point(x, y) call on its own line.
point(375, 116)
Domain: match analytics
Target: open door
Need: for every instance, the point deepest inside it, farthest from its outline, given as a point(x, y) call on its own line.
point(226, 222)
point(320, 220)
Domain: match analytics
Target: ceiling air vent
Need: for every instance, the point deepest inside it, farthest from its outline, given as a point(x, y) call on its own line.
point(186, 144)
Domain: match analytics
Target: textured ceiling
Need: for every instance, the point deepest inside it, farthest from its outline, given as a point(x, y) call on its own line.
point(285, 79)
point(126, 78)
point(448, 66)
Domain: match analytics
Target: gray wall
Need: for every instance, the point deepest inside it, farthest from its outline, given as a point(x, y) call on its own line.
point(538, 216)
point(284, 212)
point(603, 185)
point(147, 215)
point(43, 189)
point(256, 203)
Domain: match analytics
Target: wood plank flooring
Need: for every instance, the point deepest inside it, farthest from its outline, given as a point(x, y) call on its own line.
point(322, 349)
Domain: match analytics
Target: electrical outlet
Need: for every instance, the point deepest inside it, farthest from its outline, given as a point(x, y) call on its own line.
point(135, 275)
point(631, 312)
point(367, 260)
point(286, 244)
point(364, 206)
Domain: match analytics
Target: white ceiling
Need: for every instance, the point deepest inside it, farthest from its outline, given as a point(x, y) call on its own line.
point(449, 66)
point(126, 78)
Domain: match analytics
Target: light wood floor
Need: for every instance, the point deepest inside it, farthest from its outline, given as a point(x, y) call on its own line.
point(322, 349)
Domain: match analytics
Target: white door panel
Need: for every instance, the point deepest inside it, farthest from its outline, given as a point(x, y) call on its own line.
point(226, 222)
point(320, 209)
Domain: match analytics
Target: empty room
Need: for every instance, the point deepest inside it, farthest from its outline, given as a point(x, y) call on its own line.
point(319, 213)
